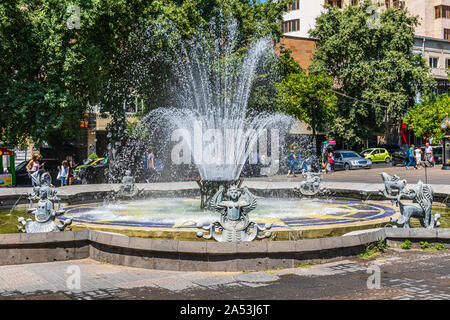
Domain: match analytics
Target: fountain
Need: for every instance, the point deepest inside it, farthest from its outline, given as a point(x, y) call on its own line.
point(212, 127)
point(211, 115)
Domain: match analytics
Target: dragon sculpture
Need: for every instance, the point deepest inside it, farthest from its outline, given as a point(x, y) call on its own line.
point(422, 199)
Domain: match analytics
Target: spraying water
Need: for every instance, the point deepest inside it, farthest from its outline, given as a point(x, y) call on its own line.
point(210, 118)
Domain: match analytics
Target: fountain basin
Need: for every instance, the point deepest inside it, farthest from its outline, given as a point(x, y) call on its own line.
point(176, 218)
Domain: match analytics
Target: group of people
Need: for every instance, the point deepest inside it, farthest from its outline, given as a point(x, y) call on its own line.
point(65, 171)
point(305, 165)
point(415, 156)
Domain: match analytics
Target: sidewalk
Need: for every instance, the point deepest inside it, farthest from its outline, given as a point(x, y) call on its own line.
point(402, 278)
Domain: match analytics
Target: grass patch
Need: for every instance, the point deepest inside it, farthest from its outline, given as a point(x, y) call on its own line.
point(374, 249)
point(406, 245)
point(305, 265)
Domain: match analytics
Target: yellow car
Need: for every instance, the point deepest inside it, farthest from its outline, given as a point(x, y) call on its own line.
point(377, 155)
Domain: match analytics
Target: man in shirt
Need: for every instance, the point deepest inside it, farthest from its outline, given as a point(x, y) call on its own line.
point(429, 154)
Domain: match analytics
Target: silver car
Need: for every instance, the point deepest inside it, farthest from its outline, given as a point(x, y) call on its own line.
point(348, 159)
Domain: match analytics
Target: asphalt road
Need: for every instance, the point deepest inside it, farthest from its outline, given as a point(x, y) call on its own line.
point(433, 175)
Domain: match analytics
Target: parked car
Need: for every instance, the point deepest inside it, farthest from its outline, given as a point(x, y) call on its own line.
point(24, 180)
point(391, 148)
point(377, 155)
point(349, 159)
point(93, 172)
point(400, 157)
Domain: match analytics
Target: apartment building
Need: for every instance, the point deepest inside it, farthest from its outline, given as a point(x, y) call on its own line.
point(432, 35)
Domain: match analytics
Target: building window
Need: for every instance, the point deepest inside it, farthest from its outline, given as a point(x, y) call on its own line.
point(293, 5)
point(334, 3)
point(447, 63)
point(354, 2)
point(387, 3)
point(434, 62)
point(442, 12)
point(446, 34)
point(291, 26)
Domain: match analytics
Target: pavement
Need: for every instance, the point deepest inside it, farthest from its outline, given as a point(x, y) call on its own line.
point(396, 274)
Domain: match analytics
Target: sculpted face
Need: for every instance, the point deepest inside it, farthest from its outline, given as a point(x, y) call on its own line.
point(234, 193)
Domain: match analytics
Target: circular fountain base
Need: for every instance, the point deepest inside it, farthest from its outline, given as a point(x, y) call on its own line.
point(176, 219)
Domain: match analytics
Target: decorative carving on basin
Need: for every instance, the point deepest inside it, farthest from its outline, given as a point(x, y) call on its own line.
point(234, 224)
point(311, 185)
point(44, 215)
point(40, 180)
point(128, 190)
point(422, 200)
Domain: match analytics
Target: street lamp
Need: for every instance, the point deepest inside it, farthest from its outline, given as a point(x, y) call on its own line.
point(445, 125)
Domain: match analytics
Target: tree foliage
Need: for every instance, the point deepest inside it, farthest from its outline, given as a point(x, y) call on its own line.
point(308, 97)
point(371, 62)
point(49, 73)
point(425, 117)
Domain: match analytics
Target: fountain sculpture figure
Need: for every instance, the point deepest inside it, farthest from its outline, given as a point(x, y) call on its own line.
point(311, 185)
point(41, 179)
point(234, 224)
point(45, 215)
point(421, 195)
point(128, 190)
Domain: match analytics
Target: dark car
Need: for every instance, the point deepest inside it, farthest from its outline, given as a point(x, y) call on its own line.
point(91, 173)
point(391, 148)
point(400, 157)
point(24, 180)
point(349, 159)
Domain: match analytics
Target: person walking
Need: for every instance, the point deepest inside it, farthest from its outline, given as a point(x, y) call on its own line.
point(325, 161)
point(418, 153)
point(33, 166)
point(411, 157)
point(72, 167)
point(305, 165)
point(292, 159)
point(331, 162)
point(64, 173)
point(429, 156)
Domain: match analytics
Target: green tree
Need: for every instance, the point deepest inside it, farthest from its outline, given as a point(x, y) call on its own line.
point(425, 117)
point(371, 62)
point(309, 98)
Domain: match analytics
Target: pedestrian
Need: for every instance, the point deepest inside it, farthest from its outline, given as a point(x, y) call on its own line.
point(291, 159)
point(64, 173)
point(325, 161)
point(429, 156)
point(305, 165)
point(254, 163)
point(331, 162)
point(411, 157)
point(72, 167)
point(33, 166)
point(418, 152)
